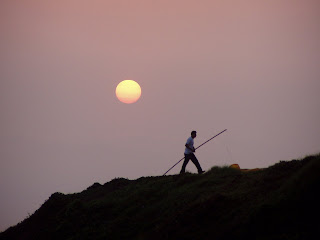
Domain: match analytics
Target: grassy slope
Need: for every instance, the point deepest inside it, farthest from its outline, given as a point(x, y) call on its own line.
point(279, 202)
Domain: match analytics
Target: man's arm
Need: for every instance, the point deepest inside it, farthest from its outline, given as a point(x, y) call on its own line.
point(192, 149)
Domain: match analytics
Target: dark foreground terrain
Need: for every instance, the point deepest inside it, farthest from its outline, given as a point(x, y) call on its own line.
point(279, 202)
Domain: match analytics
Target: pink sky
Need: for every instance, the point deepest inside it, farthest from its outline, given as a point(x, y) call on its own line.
point(249, 66)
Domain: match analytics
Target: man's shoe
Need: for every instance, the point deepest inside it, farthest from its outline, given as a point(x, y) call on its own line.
point(201, 172)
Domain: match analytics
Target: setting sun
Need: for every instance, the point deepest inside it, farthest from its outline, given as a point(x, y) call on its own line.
point(128, 91)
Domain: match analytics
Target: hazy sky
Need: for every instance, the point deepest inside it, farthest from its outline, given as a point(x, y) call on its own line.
point(251, 67)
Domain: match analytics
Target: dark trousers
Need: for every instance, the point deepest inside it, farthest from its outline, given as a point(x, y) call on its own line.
point(195, 161)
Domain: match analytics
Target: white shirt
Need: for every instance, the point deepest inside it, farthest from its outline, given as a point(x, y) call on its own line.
point(190, 144)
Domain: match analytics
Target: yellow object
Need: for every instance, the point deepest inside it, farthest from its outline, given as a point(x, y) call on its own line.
point(236, 166)
point(128, 91)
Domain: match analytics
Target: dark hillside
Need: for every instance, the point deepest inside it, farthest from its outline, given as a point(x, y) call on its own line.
point(279, 202)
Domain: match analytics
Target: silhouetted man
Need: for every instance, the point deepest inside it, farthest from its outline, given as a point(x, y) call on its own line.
point(189, 154)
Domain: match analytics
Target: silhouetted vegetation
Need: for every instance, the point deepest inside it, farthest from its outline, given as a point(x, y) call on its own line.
point(279, 202)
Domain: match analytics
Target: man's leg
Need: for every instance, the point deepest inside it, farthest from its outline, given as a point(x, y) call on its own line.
point(185, 162)
point(196, 162)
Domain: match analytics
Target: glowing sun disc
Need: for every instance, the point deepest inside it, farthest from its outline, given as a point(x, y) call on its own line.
point(128, 91)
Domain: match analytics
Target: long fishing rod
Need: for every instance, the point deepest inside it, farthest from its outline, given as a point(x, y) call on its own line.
point(195, 149)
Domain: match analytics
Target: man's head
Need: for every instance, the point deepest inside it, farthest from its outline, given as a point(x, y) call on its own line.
point(193, 134)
